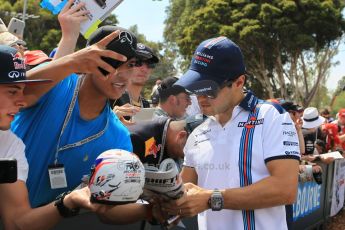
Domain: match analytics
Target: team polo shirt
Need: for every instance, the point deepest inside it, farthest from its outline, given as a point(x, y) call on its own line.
point(236, 155)
point(39, 127)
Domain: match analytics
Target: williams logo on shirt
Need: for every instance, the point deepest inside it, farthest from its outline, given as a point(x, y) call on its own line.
point(289, 133)
point(291, 153)
point(290, 143)
point(251, 123)
point(151, 148)
point(286, 123)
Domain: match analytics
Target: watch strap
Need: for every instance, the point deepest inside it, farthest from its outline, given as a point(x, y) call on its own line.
point(217, 192)
point(63, 210)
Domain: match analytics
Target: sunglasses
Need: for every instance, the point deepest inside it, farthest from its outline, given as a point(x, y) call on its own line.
point(139, 63)
point(213, 94)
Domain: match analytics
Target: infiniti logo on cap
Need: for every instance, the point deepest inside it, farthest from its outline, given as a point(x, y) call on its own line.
point(14, 74)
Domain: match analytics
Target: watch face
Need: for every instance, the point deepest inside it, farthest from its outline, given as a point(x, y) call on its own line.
point(217, 202)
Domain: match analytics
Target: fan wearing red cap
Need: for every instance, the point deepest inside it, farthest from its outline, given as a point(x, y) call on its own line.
point(340, 122)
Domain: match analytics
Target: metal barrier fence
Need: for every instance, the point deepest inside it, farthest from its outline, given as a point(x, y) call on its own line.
point(310, 210)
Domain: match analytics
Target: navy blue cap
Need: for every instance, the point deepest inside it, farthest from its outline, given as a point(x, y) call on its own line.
point(215, 61)
point(13, 69)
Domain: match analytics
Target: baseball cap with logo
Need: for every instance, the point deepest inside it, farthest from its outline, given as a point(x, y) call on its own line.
point(154, 58)
point(215, 61)
point(35, 57)
point(104, 31)
point(12, 69)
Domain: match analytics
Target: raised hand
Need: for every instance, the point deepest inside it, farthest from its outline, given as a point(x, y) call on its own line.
point(88, 60)
point(70, 18)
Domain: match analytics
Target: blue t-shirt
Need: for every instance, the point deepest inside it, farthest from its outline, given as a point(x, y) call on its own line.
point(39, 127)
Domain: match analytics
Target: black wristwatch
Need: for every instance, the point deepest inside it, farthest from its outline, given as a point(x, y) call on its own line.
point(63, 210)
point(216, 201)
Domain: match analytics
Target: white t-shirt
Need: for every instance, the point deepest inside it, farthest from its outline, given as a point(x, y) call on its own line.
point(222, 159)
point(12, 147)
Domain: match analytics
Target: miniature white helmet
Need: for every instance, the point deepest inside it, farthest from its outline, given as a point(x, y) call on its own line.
point(164, 180)
point(117, 177)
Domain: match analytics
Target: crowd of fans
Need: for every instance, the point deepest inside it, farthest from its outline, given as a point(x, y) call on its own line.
point(60, 124)
point(318, 133)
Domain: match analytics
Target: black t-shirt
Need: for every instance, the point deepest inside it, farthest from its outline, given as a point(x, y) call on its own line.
point(311, 137)
point(309, 141)
point(147, 138)
point(124, 99)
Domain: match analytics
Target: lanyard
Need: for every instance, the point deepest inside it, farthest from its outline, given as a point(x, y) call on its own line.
point(165, 130)
point(67, 118)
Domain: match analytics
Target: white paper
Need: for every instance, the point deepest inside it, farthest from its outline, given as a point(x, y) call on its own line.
point(335, 155)
point(99, 10)
point(338, 187)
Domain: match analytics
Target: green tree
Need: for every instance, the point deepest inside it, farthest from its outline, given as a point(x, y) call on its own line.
point(44, 32)
point(36, 29)
point(322, 98)
point(337, 101)
point(285, 42)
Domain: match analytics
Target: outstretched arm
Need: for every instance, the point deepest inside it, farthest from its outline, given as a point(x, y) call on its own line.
point(123, 214)
point(16, 212)
point(86, 61)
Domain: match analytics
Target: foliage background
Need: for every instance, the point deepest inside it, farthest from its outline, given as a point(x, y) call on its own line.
point(288, 44)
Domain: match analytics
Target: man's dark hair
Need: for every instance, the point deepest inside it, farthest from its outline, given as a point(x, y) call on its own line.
point(167, 88)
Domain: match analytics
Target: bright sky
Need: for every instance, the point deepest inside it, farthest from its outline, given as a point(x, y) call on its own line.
point(149, 15)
